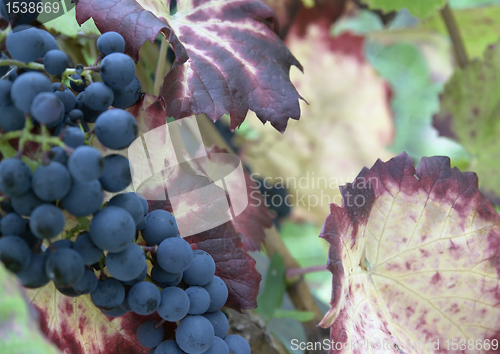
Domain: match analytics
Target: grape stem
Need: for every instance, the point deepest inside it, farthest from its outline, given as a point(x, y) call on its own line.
point(152, 249)
point(159, 324)
point(292, 273)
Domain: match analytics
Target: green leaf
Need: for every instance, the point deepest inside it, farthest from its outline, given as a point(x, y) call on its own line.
point(67, 25)
point(419, 8)
point(19, 332)
point(274, 289)
point(479, 27)
point(470, 111)
point(302, 316)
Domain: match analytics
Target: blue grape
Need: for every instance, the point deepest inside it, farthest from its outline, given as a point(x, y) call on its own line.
point(77, 87)
point(218, 292)
point(5, 87)
point(26, 43)
point(174, 255)
point(199, 300)
point(87, 284)
point(67, 291)
point(89, 252)
point(75, 115)
point(34, 276)
point(168, 347)
point(164, 279)
point(127, 96)
point(139, 278)
point(84, 198)
point(174, 304)
point(15, 177)
point(11, 118)
point(112, 229)
point(218, 347)
point(85, 163)
point(73, 137)
point(116, 312)
point(65, 267)
point(58, 154)
point(98, 96)
point(108, 295)
point(144, 298)
point(195, 335)
point(144, 202)
point(117, 70)
point(12, 224)
point(116, 175)
point(237, 344)
point(110, 42)
point(160, 225)
point(148, 335)
point(131, 203)
point(116, 129)
point(51, 182)
point(127, 264)
point(55, 62)
point(219, 322)
point(30, 239)
point(28, 13)
point(25, 204)
point(201, 270)
point(47, 221)
point(63, 243)
point(46, 108)
point(67, 98)
point(26, 87)
point(15, 253)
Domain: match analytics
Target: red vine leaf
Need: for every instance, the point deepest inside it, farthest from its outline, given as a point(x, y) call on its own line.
point(229, 58)
point(415, 260)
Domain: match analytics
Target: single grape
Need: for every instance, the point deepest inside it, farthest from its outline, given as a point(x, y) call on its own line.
point(219, 322)
point(174, 255)
point(110, 42)
point(15, 253)
point(116, 312)
point(57, 154)
point(117, 70)
point(144, 202)
point(116, 129)
point(168, 347)
point(87, 284)
point(89, 252)
point(5, 87)
point(144, 298)
point(26, 43)
point(34, 276)
point(73, 137)
point(85, 163)
point(195, 335)
point(15, 177)
point(51, 182)
point(218, 347)
point(131, 203)
point(46, 108)
point(65, 267)
point(127, 96)
point(108, 295)
point(76, 115)
point(160, 225)
point(47, 221)
point(127, 264)
point(55, 62)
point(201, 270)
point(11, 118)
point(199, 300)
point(26, 87)
point(218, 292)
point(84, 198)
point(116, 175)
point(12, 224)
point(98, 96)
point(138, 279)
point(237, 344)
point(112, 229)
point(148, 335)
point(67, 98)
point(77, 87)
point(164, 279)
point(174, 304)
point(63, 243)
point(25, 204)
point(67, 291)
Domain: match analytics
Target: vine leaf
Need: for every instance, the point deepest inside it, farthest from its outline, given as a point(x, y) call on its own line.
point(415, 259)
point(229, 58)
point(421, 9)
point(470, 107)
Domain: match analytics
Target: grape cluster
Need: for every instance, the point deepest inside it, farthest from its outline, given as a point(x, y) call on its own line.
point(62, 110)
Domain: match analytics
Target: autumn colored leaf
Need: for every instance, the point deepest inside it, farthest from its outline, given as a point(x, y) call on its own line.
point(421, 9)
point(414, 257)
point(470, 107)
point(229, 58)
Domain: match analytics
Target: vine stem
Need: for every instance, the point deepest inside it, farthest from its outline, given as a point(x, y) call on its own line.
point(152, 249)
point(456, 38)
point(160, 66)
point(294, 272)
